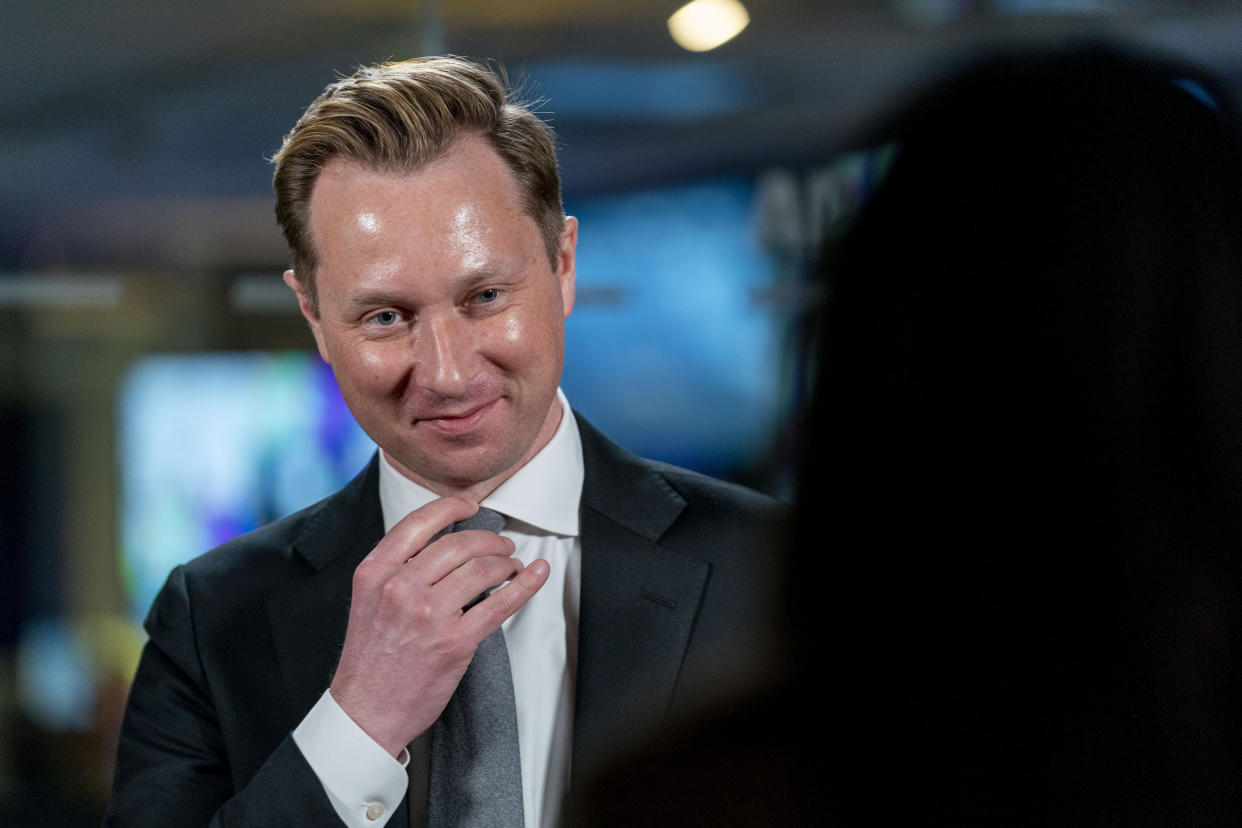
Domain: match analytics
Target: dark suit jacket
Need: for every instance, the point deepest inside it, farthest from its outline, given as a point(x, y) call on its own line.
point(678, 575)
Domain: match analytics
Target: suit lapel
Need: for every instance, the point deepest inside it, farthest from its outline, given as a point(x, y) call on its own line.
point(308, 616)
point(639, 601)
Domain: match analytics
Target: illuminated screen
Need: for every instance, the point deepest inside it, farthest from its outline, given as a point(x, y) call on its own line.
point(214, 445)
point(672, 351)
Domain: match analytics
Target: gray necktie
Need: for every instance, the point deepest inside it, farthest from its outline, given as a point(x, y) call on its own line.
point(476, 770)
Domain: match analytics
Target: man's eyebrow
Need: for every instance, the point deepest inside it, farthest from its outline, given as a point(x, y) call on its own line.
point(361, 298)
point(485, 273)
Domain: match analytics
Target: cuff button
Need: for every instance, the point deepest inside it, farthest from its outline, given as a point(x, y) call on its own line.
point(374, 811)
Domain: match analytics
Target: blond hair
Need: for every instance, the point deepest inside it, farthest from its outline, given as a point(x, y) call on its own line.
point(398, 117)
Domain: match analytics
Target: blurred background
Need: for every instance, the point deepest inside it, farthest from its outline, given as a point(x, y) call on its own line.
point(159, 389)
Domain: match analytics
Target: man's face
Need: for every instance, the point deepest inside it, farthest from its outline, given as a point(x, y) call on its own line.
point(440, 314)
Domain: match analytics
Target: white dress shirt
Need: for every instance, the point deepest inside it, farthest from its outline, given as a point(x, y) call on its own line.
point(540, 501)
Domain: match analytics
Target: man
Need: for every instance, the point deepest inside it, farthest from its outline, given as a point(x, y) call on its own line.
point(298, 675)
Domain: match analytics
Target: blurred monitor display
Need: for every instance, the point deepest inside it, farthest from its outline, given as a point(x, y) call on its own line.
point(667, 351)
point(673, 350)
point(214, 445)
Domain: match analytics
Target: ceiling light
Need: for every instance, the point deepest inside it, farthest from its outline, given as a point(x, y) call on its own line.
point(705, 24)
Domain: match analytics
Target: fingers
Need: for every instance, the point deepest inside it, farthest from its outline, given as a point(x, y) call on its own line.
point(463, 584)
point(452, 552)
point(458, 566)
point(486, 617)
point(416, 529)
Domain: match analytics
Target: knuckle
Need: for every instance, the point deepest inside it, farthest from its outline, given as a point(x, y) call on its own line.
point(508, 600)
point(422, 612)
point(366, 575)
point(477, 568)
point(394, 590)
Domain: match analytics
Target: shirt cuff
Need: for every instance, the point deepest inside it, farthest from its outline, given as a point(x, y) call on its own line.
point(363, 782)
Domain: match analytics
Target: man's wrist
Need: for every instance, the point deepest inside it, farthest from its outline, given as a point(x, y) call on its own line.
point(363, 781)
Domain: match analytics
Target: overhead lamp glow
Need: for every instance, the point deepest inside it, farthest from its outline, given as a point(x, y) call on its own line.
point(705, 24)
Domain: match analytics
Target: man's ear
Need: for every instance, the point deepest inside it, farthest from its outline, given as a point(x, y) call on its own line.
point(567, 263)
point(308, 312)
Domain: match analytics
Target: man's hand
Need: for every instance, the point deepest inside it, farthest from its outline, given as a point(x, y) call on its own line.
point(408, 642)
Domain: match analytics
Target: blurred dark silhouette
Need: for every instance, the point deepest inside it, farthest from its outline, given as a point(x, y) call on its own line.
point(1017, 565)
point(1028, 431)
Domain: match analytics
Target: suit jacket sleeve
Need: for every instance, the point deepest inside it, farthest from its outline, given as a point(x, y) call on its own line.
point(172, 762)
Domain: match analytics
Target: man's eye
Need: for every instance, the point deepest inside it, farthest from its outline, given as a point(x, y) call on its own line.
point(386, 318)
point(489, 295)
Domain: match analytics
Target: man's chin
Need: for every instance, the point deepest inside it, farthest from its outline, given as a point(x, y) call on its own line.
point(452, 472)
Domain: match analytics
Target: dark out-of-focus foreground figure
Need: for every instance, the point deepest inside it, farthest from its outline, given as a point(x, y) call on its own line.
point(1029, 424)
point(1018, 591)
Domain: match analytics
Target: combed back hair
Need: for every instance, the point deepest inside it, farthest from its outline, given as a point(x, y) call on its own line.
point(398, 117)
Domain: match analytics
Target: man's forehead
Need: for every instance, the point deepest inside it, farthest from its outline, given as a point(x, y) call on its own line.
point(469, 165)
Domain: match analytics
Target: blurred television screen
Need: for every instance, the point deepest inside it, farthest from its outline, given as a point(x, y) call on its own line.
point(214, 445)
point(672, 349)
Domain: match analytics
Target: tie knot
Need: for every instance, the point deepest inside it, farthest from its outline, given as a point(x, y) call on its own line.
point(488, 519)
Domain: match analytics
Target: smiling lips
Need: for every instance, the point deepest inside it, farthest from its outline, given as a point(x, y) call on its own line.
point(456, 426)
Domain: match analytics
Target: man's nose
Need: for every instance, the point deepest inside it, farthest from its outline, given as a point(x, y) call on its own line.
point(443, 346)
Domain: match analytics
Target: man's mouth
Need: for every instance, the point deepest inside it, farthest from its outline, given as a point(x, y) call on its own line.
point(458, 423)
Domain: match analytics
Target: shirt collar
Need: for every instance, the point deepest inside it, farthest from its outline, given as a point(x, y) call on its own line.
point(544, 493)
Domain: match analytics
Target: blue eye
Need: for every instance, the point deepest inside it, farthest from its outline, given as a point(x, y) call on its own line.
point(489, 295)
point(386, 318)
